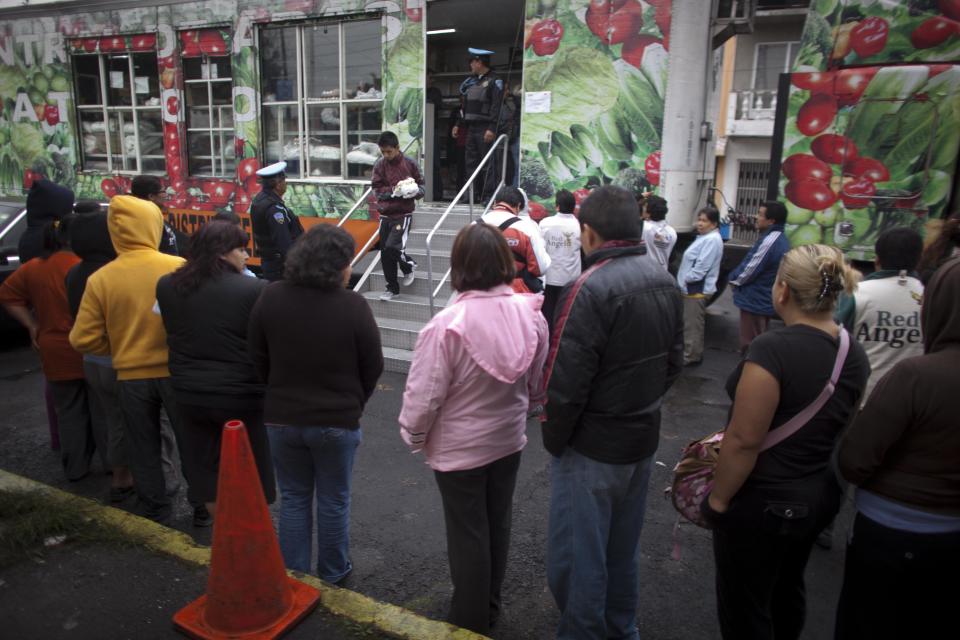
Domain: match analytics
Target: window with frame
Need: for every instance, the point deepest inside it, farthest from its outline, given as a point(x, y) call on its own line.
point(208, 83)
point(119, 111)
point(772, 59)
point(322, 97)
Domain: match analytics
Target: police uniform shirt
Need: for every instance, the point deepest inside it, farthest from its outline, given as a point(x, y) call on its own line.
point(483, 96)
point(275, 227)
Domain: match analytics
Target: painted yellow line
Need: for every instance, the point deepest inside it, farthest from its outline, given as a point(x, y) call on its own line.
point(387, 618)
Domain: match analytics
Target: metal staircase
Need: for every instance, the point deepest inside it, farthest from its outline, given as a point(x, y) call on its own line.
point(435, 225)
point(401, 319)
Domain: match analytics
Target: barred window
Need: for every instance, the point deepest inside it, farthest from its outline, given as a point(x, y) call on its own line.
point(118, 104)
point(208, 85)
point(322, 97)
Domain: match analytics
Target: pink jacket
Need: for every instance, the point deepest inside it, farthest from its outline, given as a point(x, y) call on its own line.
point(477, 367)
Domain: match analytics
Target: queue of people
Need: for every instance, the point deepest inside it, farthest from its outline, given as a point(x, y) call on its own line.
point(126, 332)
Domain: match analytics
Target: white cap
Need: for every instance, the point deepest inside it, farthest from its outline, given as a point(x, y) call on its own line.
point(273, 170)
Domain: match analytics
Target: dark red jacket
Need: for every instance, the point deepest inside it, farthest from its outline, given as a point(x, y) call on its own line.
point(386, 175)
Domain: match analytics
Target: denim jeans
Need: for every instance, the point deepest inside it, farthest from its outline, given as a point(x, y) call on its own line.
point(593, 544)
point(321, 458)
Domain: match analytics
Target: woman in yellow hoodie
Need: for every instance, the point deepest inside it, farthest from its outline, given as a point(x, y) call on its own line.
point(116, 318)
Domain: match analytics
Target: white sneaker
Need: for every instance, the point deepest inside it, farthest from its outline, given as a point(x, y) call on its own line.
point(408, 278)
point(388, 295)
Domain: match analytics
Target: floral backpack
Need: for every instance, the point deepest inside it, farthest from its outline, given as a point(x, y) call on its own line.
point(694, 474)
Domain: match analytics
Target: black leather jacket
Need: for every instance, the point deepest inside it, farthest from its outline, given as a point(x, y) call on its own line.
point(620, 350)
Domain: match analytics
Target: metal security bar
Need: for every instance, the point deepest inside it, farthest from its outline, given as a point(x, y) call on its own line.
point(468, 186)
point(751, 193)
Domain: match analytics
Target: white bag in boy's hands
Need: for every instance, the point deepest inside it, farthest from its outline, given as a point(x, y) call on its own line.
point(406, 188)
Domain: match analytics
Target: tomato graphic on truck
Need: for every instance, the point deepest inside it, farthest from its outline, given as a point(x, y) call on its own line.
point(870, 135)
point(850, 172)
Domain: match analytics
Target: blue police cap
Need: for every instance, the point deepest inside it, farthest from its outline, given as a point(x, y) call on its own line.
point(273, 170)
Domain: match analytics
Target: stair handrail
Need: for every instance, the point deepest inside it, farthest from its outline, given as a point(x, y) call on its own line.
point(443, 280)
point(363, 197)
point(467, 186)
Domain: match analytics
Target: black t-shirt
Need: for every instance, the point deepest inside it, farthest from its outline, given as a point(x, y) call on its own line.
point(801, 358)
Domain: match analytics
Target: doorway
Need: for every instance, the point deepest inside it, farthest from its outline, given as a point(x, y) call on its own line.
point(496, 25)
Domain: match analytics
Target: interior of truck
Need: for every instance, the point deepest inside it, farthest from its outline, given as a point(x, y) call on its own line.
point(452, 26)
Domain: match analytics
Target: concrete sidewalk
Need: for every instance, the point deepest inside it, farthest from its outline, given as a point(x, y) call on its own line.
point(135, 589)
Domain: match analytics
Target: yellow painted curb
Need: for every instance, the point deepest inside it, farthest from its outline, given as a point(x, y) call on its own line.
point(390, 619)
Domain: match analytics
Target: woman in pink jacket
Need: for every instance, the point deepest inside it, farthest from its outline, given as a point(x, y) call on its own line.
point(477, 369)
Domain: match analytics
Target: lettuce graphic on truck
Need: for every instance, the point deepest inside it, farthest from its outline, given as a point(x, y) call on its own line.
point(867, 149)
point(604, 64)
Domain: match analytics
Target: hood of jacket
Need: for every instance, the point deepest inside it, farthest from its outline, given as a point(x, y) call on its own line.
point(940, 315)
point(498, 329)
point(48, 200)
point(90, 238)
point(134, 224)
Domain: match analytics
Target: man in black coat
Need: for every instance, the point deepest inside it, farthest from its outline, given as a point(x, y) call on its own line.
point(275, 227)
point(620, 327)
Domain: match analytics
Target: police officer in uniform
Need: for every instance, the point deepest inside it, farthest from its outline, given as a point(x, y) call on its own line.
point(275, 227)
point(483, 105)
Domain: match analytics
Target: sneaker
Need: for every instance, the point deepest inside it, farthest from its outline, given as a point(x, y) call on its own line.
point(408, 278)
point(202, 517)
point(388, 295)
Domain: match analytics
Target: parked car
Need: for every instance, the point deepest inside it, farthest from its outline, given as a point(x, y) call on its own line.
point(13, 222)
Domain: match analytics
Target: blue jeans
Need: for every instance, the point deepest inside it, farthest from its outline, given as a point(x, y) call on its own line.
point(593, 544)
point(321, 457)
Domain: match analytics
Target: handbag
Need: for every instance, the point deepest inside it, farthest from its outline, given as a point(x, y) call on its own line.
point(693, 477)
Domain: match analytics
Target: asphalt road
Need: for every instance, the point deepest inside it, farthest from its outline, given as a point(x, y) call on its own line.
point(398, 543)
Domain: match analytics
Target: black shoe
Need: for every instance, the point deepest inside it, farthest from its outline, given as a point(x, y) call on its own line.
point(119, 494)
point(346, 582)
point(202, 517)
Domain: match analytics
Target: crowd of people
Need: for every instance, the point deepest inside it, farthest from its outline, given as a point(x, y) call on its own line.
point(577, 320)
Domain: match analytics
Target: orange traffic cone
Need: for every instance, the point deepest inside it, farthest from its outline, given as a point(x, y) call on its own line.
point(249, 594)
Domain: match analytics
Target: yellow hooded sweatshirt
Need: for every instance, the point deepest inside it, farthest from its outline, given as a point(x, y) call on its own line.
point(116, 314)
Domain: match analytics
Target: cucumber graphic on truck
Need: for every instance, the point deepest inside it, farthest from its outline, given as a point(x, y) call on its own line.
point(869, 129)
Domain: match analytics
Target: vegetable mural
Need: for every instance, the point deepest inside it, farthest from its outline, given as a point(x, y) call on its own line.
point(39, 132)
point(867, 149)
point(858, 32)
point(604, 63)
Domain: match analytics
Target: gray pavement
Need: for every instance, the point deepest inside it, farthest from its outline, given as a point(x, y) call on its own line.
point(397, 522)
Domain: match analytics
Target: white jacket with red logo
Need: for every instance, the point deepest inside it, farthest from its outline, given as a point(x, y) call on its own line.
point(522, 243)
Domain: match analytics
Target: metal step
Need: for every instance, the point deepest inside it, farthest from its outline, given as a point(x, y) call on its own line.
point(426, 220)
point(419, 288)
point(442, 239)
point(399, 334)
point(402, 307)
point(441, 260)
point(397, 360)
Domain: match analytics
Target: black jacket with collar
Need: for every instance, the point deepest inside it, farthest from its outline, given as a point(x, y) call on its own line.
point(620, 349)
point(207, 338)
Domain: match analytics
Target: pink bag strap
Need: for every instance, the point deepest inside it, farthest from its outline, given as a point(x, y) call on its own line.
point(795, 423)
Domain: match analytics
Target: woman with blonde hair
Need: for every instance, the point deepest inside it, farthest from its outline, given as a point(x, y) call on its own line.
point(768, 504)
